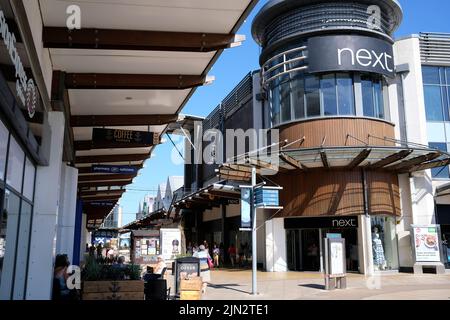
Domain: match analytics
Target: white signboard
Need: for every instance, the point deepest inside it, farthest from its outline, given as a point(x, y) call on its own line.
point(170, 243)
point(336, 258)
point(426, 243)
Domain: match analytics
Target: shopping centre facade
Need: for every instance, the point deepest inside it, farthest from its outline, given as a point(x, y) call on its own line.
point(362, 122)
point(86, 91)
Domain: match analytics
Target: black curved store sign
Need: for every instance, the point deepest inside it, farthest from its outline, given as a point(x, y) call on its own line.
point(350, 53)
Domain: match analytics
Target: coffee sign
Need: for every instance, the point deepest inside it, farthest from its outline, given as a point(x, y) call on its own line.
point(124, 136)
point(350, 53)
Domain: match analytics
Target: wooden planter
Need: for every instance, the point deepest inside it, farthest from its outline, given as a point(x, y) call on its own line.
point(113, 290)
point(191, 289)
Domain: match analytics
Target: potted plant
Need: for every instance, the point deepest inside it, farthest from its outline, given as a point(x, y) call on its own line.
point(102, 281)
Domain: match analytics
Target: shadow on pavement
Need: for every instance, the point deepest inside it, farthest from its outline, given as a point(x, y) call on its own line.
point(226, 286)
point(313, 286)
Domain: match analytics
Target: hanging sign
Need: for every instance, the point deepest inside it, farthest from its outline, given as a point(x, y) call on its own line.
point(114, 169)
point(102, 204)
point(246, 207)
point(267, 196)
point(129, 137)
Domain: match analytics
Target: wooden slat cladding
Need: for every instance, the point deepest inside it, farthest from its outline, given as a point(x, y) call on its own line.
point(337, 193)
point(336, 130)
point(384, 193)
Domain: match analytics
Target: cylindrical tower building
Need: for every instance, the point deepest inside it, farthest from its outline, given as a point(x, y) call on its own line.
point(325, 69)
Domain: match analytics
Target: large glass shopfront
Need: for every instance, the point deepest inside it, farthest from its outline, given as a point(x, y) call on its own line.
point(384, 243)
point(17, 179)
point(304, 237)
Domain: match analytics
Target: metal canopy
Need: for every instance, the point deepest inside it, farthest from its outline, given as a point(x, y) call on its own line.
point(389, 158)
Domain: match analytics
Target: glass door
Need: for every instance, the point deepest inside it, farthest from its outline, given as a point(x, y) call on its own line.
point(310, 250)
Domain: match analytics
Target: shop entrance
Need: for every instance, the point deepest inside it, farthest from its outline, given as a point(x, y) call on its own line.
point(304, 248)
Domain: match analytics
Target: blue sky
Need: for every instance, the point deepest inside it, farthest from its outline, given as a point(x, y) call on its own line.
point(233, 65)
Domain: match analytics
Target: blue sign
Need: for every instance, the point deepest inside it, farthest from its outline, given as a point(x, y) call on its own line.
point(334, 235)
point(102, 204)
point(246, 207)
point(267, 197)
point(114, 169)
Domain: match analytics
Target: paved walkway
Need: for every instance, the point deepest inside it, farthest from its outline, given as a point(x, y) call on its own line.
point(236, 285)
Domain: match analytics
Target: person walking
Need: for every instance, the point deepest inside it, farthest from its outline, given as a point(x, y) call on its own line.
point(232, 254)
point(216, 255)
point(205, 271)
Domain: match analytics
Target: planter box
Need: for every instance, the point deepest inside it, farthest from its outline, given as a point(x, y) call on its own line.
point(113, 290)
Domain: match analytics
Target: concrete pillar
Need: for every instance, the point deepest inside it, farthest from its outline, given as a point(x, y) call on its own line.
point(67, 212)
point(365, 254)
point(46, 205)
point(276, 259)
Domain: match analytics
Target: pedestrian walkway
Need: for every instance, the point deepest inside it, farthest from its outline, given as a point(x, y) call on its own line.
point(234, 284)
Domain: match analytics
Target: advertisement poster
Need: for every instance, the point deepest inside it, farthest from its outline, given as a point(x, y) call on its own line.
point(246, 207)
point(426, 243)
point(170, 243)
point(336, 258)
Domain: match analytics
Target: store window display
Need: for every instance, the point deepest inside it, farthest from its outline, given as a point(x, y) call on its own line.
point(384, 243)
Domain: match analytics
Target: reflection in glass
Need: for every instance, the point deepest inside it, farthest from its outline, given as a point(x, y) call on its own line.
point(379, 104)
point(8, 236)
point(384, 243)
point(430, 75)
point(298, 97)
point(433, 103)
point(367, 96)
point(345, 94)
point(285, 102)
point(441, 172)
point(22, 251)
point(3, 147)
point(328, 93)
point(16, 158)
point(312, 96)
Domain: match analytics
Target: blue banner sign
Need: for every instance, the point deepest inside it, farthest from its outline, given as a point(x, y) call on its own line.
point(102, 203)
point(267, 197)
point(246, 207)
point(114, 169)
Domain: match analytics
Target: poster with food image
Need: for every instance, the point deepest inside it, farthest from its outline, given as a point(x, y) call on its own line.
point(426, 243)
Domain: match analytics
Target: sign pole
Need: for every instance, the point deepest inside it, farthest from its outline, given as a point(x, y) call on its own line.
point(254, 259)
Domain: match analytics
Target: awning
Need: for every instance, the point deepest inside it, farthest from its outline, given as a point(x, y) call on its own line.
point(154, 220)
point(211, 196)
point(133, 65)
point(397, 159)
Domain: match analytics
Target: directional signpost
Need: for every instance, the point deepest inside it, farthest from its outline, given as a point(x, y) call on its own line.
point(253, 197)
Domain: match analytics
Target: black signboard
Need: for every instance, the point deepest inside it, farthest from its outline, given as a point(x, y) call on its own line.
point(129, 137)
point(185, 267)
point(350, 53)
point(321, 222)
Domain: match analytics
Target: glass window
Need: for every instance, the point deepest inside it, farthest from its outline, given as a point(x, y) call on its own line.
point(312, 96)
point(379, 103)
point(430, 75)
point(433, 103)
point(298, 97)
point(22, 251)
point(445, 96)
point(447, 72)
point(8, 234)
point(28, 184)
point(16, 157)
point(285, 101)
point(328, 95)
point(346, 96)
point(384, 243)
point(275, 99)
point(441, 172)
point(367, 96)
point(3, 148)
